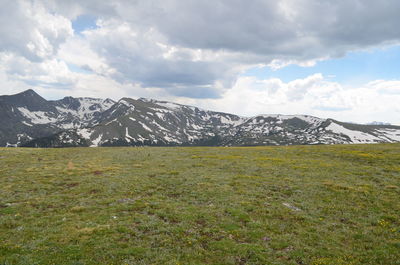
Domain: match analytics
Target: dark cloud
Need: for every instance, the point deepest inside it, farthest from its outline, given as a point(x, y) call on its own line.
point(138, 57)
point(235, 25)
point(287, 29)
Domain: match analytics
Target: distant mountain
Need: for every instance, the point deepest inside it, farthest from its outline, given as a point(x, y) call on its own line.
point(378, 123)
point(29, 120)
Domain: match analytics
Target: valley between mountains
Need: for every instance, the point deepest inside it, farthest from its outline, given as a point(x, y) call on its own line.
point(29, 120)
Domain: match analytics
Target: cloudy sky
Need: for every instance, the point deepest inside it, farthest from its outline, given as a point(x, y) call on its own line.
point(338, 58)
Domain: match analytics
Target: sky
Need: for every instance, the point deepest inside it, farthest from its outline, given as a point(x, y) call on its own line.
point(331, 59)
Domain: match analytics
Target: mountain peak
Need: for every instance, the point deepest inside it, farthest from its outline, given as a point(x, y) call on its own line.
point(26, 93)
point(28, 98)
point(29, 92)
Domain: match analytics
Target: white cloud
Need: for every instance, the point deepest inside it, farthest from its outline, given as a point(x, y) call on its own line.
point(322, 98)
point(77, 51)
point(28, 29)
point(52, 72)
point(386, 86)
point(277, 64)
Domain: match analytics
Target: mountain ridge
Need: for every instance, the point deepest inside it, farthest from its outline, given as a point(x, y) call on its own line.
point(32, 121)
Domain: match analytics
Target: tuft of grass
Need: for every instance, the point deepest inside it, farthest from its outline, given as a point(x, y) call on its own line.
point(201, 205)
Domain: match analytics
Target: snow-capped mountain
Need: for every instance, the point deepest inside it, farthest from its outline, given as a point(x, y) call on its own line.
point(80, 112)
point(30, 120)
point(27, 116)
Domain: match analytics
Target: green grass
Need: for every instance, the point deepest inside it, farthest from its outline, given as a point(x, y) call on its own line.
point(201, 205)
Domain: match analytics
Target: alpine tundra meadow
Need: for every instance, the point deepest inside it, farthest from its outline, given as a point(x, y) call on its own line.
point(170, 132)
point(201, 205)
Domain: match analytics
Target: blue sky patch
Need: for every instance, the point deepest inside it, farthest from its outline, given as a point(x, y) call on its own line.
point(355, 68)
point(84, 22)
point(78, 69)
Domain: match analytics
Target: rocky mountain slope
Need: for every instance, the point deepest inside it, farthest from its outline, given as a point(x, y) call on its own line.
point(29, 120)
point(27, 116)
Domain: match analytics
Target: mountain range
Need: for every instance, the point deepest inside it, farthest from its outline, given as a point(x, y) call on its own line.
point(29, 120)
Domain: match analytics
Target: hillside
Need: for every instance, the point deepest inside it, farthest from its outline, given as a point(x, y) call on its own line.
point(31, 121)
point(313, 205)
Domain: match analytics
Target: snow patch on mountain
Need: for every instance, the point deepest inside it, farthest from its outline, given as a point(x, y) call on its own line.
point(355, 136)
point(127, 136)
point(307, 118)
point(85, 133)
point(96, 142)
point(20, 137)
point(36, 117)
point(27, 124)
point(159, 126)
point(126, 103)
point(169, 105)
point(392, 134)
point(86, 109)
point(229, 121)
point(145, 127)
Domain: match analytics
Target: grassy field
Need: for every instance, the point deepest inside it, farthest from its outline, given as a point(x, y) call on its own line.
point(200, 205)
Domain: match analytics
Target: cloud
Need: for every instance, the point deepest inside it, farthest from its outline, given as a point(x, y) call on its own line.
point(49, 73)
point(197, 44)
point(29, 30)
point(296, 89)
point(323, 98)
point(263, 30)
point(188, 47)
point(386, 86)
point(195, 51)
point(77, 51)
point(141, 56)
